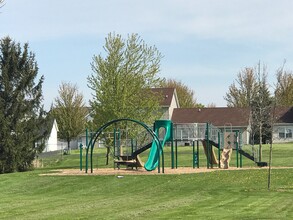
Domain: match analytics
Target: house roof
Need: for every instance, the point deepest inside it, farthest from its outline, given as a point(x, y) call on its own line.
point(217, 116)
point(284, 115)
point(167, 94)
point(225, 115)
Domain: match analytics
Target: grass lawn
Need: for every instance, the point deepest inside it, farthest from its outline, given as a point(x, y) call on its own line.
point(228, 194)
point(282, 157)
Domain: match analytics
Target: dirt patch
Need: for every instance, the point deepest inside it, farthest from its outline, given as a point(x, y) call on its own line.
point(141, 171)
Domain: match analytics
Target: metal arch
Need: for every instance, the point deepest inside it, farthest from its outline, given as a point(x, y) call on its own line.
point(100, 130)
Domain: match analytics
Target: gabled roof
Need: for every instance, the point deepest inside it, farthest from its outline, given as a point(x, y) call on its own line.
point(217, 116)
point(167, 95)
point(284, 115)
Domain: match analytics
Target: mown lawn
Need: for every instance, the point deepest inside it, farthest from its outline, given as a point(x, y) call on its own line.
point(228, 194)
point(282, 157)
point(220, 194)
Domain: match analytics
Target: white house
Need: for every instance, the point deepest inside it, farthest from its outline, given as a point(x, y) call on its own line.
point(51, 144)
point(283, 125)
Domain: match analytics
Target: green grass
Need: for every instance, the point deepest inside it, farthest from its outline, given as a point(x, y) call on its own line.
point(238, 194)
point(220, 194)
point(282, 157)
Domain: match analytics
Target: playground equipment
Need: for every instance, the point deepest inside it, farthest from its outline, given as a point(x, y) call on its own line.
point(95, 136)
point(218, 144)
point(205, 133)
point(164, 135)
point(126, 151)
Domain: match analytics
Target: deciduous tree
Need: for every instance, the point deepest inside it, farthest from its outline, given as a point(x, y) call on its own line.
point(284, 88)
point(70, 112)
point(121, 81)
point(185, 95)
point(242, 92)
point(252, 91)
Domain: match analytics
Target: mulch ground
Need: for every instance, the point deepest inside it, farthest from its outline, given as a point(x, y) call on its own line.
point(142, 171)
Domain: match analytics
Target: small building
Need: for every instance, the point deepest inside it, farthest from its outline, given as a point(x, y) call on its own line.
point(51, 144)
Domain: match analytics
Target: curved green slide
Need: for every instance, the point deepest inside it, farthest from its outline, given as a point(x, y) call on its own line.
point(152, 161)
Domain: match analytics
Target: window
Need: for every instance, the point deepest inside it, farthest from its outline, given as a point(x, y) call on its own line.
point(288, 133)
point(281, 133)
point(285, 133)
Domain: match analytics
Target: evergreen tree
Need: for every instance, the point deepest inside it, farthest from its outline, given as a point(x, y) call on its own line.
point(121, 81)
point(22, 116)
point(261, 109)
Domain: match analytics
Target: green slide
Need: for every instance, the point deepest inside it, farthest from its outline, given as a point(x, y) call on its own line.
point(152, 161)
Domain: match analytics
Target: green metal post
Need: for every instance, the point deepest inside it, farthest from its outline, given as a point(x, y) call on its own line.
point(114, 142)
point(176, 155)
point(119, 144)
point(208, 145)
point(86, 143)
point(239, 146)
point(114, 147)
point(163, 162)
point(172, 154)
point(197, 153)
point(219, 149)
point(80, 156)
point(237, 150)
point(91, 135)
point(193, 154)
point(211, 150)
point(131, 146)
point(240, 160)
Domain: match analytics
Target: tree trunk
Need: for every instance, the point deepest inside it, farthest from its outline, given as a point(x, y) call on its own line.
point(260, 143)
point(68, 146)
point(107, 156)
point(270, 165)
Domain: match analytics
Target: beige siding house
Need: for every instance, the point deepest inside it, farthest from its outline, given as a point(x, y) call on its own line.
point(169, 101)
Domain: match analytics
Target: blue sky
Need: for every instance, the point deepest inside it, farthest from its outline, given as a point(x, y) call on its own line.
point(205, 43)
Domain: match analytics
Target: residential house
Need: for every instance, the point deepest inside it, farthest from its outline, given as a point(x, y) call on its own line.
point(169, 101)
point(224, 118)
point(237, 119)
point(283, 125)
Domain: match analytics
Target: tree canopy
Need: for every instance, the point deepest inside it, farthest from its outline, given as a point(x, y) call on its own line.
point(70, 112)
point(261, 111)
point(252, 90)
point(122, 80)
point(185, 95)
point(242, 92)
point(284, 88)
point(21, 114)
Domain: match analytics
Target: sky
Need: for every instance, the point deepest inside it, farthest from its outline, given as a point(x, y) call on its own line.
point(204, 43)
